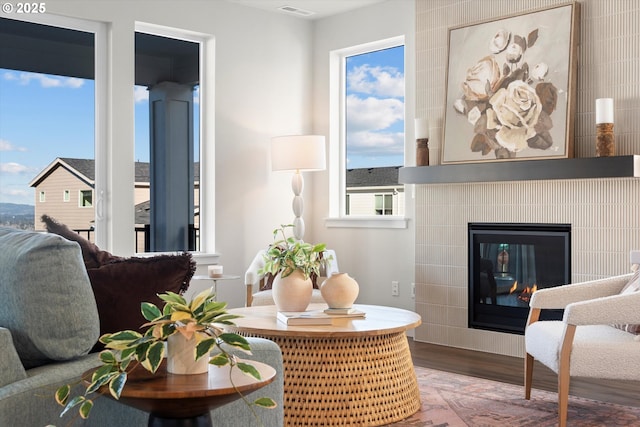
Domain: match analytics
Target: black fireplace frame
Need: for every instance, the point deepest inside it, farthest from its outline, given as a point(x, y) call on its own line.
point(502, 318)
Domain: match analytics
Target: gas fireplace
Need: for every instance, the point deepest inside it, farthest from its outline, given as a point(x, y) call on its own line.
point(507, 263)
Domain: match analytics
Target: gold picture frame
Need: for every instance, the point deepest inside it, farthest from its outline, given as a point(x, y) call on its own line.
point(511, 87)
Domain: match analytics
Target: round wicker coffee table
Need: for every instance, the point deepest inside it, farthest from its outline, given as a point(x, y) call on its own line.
point(355, 372)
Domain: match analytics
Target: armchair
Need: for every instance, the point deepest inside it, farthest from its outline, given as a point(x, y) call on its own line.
point(589, 341)
point(261, 296)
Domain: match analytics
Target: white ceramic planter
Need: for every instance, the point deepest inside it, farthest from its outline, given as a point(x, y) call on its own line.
point(181, 354)
point(340, 290)
point(292, 293)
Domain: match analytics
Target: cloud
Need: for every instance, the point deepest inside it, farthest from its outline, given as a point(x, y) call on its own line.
point(140, 94)
point(379, 81)
point(375, 143)
point(373, 113)
point(13, 168)
point(7, 146)
point(46, 81)
point(16, 192)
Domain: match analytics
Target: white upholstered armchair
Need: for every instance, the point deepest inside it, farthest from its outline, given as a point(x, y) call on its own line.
point(254, 280)
point(585, 343)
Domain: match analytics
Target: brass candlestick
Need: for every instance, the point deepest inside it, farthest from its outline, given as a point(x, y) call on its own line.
point(605, 140)
point(422, 152)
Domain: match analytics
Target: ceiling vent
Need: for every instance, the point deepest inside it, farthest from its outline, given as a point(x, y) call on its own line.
point(296, 11)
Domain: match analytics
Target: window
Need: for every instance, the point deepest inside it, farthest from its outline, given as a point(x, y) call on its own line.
point(167, 113)
point(48, 76)
point(384, 204)
point(367, 105)
point(86, 198)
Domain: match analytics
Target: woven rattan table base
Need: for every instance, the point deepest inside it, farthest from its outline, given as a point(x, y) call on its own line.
point(364, 380)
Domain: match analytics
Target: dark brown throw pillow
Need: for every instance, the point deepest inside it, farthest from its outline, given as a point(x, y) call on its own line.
point(122, 285)
point(92, 256)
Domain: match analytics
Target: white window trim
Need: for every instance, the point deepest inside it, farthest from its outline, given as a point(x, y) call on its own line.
point(337, 152)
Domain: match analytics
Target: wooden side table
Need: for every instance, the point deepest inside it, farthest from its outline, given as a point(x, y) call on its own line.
point(355, 372)
point(185, 400)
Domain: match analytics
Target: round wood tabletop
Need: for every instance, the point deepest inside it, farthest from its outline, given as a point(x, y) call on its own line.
point(183, 396)
point(378, 320)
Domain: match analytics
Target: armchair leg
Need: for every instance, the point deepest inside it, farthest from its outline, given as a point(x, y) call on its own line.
point(528, 375)
point(564, 371)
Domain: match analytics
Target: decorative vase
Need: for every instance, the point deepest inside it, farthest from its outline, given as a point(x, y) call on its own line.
point(181, 355)
point(292, 293)
point(340, 290)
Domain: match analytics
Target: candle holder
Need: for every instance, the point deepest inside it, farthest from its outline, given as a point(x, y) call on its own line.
point(605, 139)
point(422, 152)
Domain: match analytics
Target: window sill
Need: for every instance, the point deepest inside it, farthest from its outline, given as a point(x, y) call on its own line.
point(398, 222)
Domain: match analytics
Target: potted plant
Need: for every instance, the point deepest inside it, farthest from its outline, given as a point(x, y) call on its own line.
point(193, 321)
point(292, 262)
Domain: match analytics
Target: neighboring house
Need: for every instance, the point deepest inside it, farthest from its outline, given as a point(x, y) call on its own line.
point(374, 191)
point(64, 190)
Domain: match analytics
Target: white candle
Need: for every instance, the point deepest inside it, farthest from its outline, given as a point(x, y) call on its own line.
point(422, 129)
point(604, 110)
point(215, 271)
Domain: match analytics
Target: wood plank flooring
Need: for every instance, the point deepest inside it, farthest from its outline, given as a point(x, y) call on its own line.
point(511, 370)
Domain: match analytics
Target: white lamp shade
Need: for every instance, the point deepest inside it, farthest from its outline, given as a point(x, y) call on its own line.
point(298, 152)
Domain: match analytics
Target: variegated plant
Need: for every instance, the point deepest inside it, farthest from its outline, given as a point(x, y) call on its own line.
point(126, 349)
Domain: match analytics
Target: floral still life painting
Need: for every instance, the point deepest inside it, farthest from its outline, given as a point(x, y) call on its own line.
point(511, 88)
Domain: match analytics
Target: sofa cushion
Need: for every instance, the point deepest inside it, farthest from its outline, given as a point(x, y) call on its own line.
point(633, 285)
point(47, 301)
point(11, 369)
point(92, 255)
point(121, 285)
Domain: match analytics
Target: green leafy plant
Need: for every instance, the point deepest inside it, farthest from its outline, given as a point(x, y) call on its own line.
point(127, 349)
point(285, 255)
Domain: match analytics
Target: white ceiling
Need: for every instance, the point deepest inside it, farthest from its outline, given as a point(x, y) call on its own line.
point(320, 8)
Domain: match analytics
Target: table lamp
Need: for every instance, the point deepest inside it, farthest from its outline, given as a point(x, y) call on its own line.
point(298, 153)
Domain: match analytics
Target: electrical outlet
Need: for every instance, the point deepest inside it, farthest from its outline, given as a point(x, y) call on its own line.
point(395, 290)
point(413, 291)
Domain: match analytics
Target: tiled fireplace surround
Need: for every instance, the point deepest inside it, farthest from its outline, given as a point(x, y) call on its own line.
point(604, 213)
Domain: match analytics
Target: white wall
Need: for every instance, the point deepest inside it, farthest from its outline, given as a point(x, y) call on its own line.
point(374, 257)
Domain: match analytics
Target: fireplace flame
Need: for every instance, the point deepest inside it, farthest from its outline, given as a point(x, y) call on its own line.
point(525, 294)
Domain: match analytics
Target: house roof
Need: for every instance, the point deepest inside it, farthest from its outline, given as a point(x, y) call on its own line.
point(373, 177)
point(85, 169)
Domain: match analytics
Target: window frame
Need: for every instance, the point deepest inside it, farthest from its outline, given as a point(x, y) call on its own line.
point(66, 196)
point(338, 216)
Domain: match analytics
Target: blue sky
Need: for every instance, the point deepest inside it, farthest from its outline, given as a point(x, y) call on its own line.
point(375, 109)
point(43, 117)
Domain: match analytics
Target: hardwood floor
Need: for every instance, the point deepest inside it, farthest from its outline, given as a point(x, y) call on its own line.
point(511, 370)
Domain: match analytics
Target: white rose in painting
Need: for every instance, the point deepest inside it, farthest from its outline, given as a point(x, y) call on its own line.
point(514, 53)
point(499, 41)
point(517, 109)
point(482, 79)
point(540, 71)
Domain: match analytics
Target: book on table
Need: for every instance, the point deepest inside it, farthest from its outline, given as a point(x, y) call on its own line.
point(315, 317)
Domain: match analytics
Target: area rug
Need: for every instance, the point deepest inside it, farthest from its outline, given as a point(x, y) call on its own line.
point(452, 400)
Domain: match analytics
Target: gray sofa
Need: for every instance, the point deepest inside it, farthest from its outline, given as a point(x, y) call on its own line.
point(48, 325)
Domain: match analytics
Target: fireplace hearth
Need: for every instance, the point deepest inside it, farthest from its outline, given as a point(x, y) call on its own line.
point(507, 263)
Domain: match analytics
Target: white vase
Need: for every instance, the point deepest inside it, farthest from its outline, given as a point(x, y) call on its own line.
point(181, 356)
point(292, 293)
point(340, 290)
